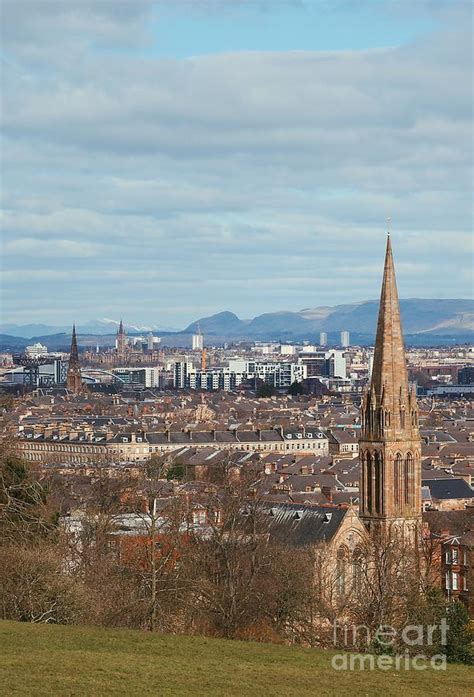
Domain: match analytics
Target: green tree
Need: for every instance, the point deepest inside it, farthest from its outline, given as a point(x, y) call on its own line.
point(23, 498)
point(176, 471)
point(297, 388)
point(459, 646)
point(265, 390)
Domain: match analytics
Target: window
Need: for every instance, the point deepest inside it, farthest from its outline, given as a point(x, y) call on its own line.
point(455, 580)
point(464, 582)
point(448, 557)
point(199, 517)
point(368, 480)
point(341, 570)
point(455, 555)
point(408, 477)
point(356, 569)
point(397, 470)
point(448, 580)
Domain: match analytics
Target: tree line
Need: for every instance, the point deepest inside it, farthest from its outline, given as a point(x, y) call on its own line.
point(203, 563)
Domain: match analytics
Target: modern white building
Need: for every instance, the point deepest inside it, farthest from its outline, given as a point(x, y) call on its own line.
point(180, 374)
point(214, 379)
point(36, 350)
point(370, 364)
point(278, 374)
point(198, 342)
point(148, 377)
point(345, 339)
point(323, 339)
point(330, 363)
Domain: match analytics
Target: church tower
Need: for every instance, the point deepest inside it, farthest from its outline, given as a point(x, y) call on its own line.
point(73, 380)
point(390, 446)
point(121, 342)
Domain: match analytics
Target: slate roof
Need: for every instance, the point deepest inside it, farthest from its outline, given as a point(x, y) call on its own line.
point(453, 488)
point(299, 524)
point(455, 522)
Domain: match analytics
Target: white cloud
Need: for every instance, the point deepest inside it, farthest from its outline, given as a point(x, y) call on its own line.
point(256, 169)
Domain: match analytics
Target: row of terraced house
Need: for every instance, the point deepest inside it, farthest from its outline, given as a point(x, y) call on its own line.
point(41, 444)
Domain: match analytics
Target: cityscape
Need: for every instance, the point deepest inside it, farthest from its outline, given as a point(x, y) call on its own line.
point(263, 499)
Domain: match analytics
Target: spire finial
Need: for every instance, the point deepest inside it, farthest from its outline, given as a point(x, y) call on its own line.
point(389, 226)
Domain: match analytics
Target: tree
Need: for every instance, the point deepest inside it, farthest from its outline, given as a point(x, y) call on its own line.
point(23, 498)
point(297, 388)
point(459, 647)
point(264, 389)
point(176, 471)
point(36, 587)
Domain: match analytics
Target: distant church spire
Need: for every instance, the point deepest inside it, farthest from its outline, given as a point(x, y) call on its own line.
point(73, 380)
point(390, 442)
point(121, 342)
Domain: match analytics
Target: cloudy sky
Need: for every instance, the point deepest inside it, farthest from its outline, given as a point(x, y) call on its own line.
point(163, 161)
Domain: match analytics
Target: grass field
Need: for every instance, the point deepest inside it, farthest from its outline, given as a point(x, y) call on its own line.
point(81, 661)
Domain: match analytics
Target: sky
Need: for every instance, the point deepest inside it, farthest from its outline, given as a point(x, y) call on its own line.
point(163, 161)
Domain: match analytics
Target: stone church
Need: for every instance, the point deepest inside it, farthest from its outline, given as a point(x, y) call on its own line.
point(390, 458)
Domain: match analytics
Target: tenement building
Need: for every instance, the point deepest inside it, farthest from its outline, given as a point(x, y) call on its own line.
point(76, 445)
point(390, 445)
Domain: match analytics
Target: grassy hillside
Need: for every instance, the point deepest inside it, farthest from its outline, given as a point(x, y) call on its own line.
point(75, 661)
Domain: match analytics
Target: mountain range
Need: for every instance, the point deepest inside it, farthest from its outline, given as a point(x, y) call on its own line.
point(97, 327)
point(426, 322)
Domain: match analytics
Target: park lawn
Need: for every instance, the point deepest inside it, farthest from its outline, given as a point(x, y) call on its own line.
point(46, 660)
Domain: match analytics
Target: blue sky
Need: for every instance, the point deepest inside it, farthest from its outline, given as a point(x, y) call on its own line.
point(284, 26)
point(165, 161)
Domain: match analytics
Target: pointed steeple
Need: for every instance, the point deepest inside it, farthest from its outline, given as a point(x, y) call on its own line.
point(121, 341)
point(389, 372)
point(74, 380)
point(74, 353)
point(390, 446)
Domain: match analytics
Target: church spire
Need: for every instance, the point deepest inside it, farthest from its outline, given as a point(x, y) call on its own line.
point(74, 353)
point(389, 447)
point(74, 380)
point(121, 342)
point(389, 372)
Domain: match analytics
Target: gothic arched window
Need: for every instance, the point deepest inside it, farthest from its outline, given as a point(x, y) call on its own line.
point(341, 564)
point(378, 467)
point(368, 482)
point(357, 569)
point(408, 479)
point(397, 473)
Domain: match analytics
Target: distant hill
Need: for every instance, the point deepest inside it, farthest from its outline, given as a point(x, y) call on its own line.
point(425, 322)
point(450, 318)
point(221, 323)
point(96, 327)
